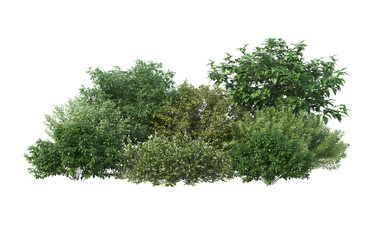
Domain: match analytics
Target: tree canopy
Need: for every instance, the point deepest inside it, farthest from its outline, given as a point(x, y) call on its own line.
point(276, 75)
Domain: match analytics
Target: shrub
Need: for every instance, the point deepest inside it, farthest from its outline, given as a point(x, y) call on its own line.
point(164, 161)
point(272, 139)
point(268, 156)
point(86, 141)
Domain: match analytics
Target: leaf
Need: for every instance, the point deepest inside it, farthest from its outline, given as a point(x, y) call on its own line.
point(325, 119)
point(274, 80)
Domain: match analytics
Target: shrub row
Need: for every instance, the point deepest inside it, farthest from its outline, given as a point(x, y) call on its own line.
point(267, 123)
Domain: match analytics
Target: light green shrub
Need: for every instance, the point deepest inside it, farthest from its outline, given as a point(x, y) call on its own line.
point(164, 161)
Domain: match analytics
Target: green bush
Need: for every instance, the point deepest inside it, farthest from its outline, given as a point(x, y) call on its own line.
point(45, 159)
point(87, 141)
point(268, 155)
point(275, 144)
point(138, 93)
point(164, 161)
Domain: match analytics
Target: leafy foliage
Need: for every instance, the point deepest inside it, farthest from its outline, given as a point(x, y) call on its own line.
point(88, 139)
point(268, 155)
point(202, 113)
point(279, 144)
point(277, 75)
point(138, 93)
point(45, 159)
point(136, 125)
point(168, 161)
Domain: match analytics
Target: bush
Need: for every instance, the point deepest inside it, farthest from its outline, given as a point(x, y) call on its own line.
point(268, 156)
point(138, 93)
point(164, 161)
point(275, 144)
point(87, 141)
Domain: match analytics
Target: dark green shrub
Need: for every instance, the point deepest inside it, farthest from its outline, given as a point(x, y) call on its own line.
point(45, 159)
point(275, 144)
point(268, 156)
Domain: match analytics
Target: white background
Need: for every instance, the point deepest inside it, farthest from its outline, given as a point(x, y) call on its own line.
point(46, 48)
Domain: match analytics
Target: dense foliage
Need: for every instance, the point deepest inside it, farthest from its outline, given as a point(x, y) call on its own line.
point(269, 123)
point(89, 132)
point(268, 156)
point(202, 113)
point(275, 144)
point(87, 141)
point(277, 75)
point(138, 93)
point(45, 159)
point(169, 161)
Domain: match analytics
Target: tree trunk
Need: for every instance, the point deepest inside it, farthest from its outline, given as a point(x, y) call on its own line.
point(77, 176)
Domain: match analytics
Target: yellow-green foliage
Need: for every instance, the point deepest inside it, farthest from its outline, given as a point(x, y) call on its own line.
point(168, 161)
point(204, 113)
